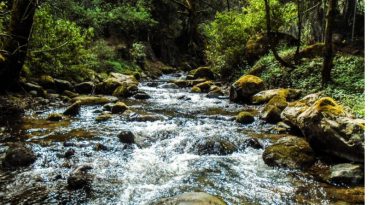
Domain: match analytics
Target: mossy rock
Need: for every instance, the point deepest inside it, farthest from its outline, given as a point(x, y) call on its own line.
point(271, 113)
point(93, 100)
point(205, 86)
point(215, 92)
point(217, 147)
point(196, 89)
point(73, 109)
point(289, 152)
point(245, 87)
point(188, 83)
point(266, 95)
point(312, 51)
point(47, 81)
point(245, 118)
point(125, 91)
point(103, 117)
point(203, 72)
point(119, 107)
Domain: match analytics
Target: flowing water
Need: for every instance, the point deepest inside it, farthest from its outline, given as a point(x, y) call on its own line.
point(163, 163)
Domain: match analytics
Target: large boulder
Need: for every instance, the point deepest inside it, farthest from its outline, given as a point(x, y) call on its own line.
point(85, 87)
point(245, 87)
point(203, 72)
point(125, 91)
point(290, 152)
point(73, 109)
point(217, 147)
point(63, 85)
point(18, 155)
point(266, 95)
point(191, 198)
point(126, 137)
point(119, 107)
point(329, 129)
point(245, 118)
point(115, 80)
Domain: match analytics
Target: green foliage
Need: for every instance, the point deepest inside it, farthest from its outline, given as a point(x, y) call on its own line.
point(58, 47)
point(347, 75)
point(126, 17)
point(228, 33)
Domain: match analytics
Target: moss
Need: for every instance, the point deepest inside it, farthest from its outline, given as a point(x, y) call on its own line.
point(203, 72)
point(327, 104)
point(119, 107)
point(205, 86)
point(249, 80)
point(245, 118)
point(196, 89)
point(91, 100)
point(312, 51)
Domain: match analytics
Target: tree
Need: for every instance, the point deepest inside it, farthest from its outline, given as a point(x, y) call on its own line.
point(328, 53)
point(15, 49)
point(272, 41)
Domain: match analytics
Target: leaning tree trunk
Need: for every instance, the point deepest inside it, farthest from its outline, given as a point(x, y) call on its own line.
point(328, 53)
point(16, 47)
point(272, 41)
point(299, 14)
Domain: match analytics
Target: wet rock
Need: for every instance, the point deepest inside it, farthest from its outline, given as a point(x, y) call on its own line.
point(63, 85)
point(191, 198)
point(80, 178)
point(290, 152)
point(215, 92)
point(115, 80)
point(204, 87)
point(126, 137)
point(69, 153)
point(34, 87)
point(245, 118)
point(350, 195)
point(34, 93)
point(203, 72)
point(271, 114)
point(85, 87)
point(346, 174)
point(244, 88)
point(55, 117)
point(73, 109)
point(18, 155)
point(254, 143)
point(119, 107)
point(100, 147)
point(169, 86)
point(94, 100)
point(70, 94)
point(153, 84)
point(47, 82)
point(188, 83)
point(103, 117)
point(145, 118)
point(217, 147)
point(196, 89)
point(328, 128)
point(125, 91)
point(141, 96)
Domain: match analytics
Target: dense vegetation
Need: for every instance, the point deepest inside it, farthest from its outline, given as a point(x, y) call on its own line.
point(81, 40)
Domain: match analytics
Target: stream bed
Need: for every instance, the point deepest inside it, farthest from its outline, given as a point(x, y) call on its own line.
point(164, 162)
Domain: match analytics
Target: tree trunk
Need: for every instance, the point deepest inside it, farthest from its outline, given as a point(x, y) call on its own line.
point(299, 11)
point(16, 47)
point(271, 41)
point(328, 55)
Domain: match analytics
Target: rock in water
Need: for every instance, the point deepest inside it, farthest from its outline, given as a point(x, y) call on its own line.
point(73, 109)
point(119, 107)
point(203, 72)
point(244, 88)
point(217, 147)
point(55, 117)
point(245, 118)
point(328, 128)
point(291, 152)
point(141, 96)
point(126, 137)
point(18, 155)
point(347, 174)
point(192, 198)
point(80, 178)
